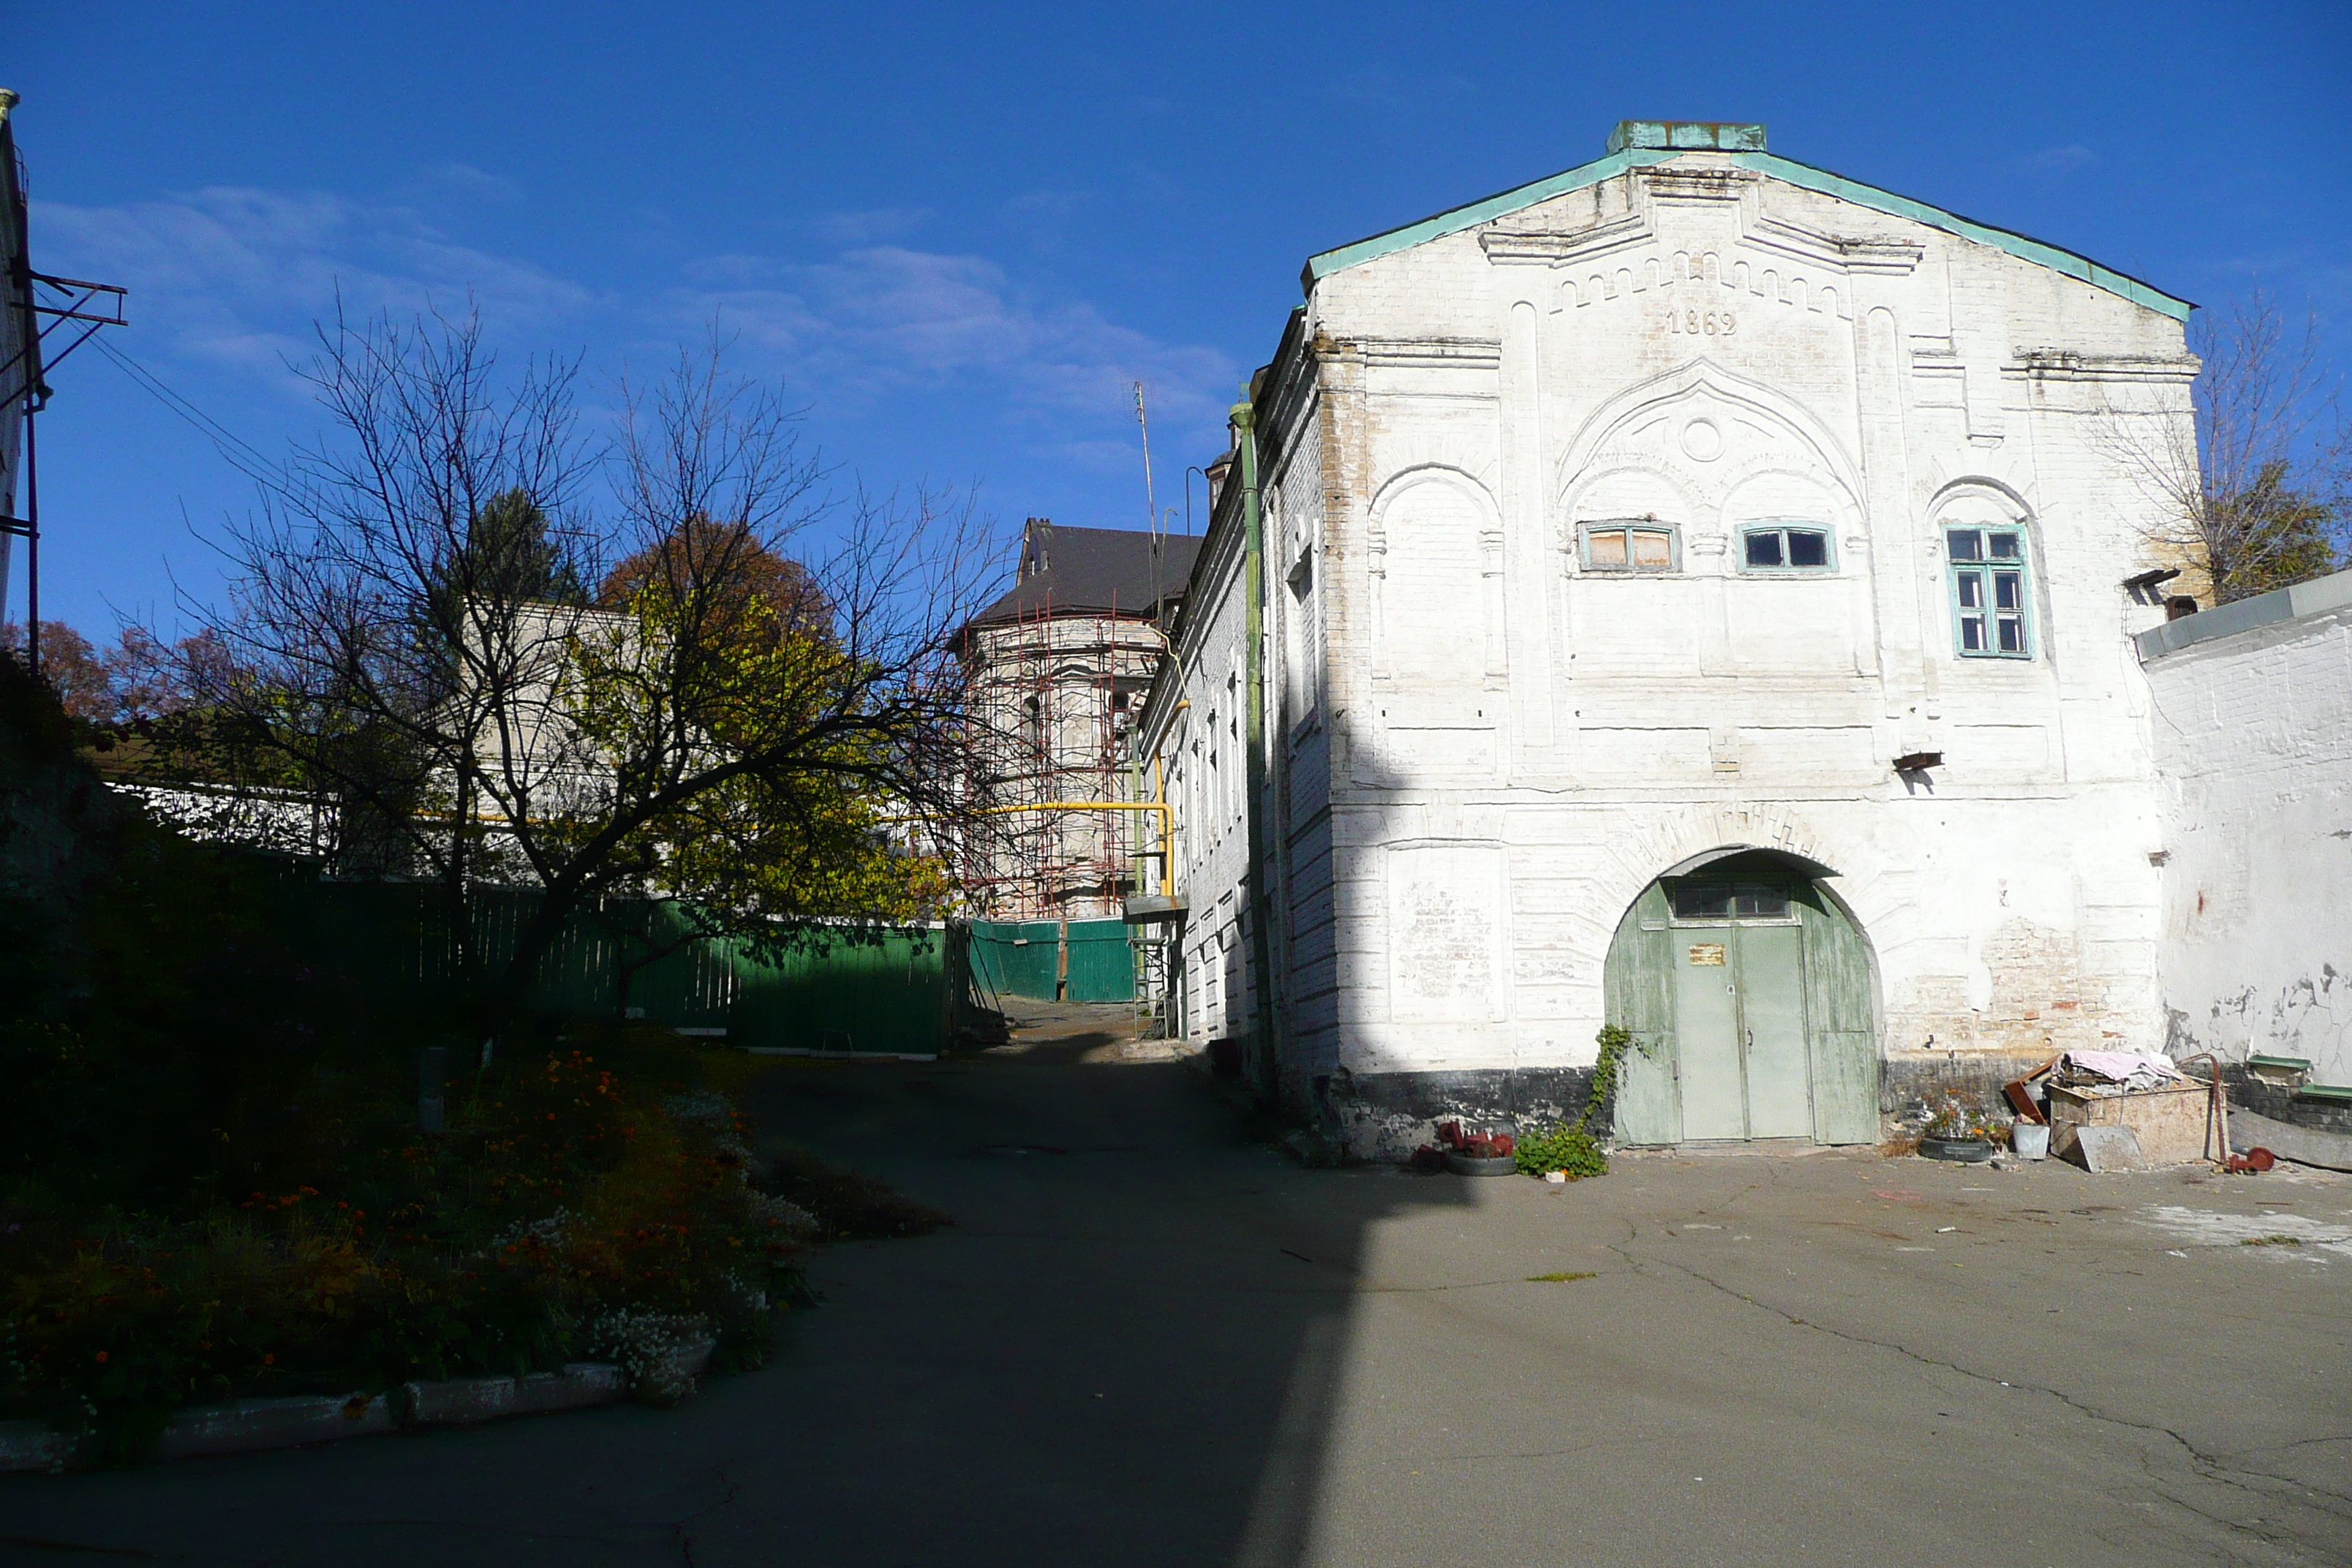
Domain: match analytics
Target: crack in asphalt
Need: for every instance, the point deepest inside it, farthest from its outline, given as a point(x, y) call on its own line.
point(1435, 1460)
point(50, 1543)
point(2213, 1467)
point(621, 1533)
point(679, 1528)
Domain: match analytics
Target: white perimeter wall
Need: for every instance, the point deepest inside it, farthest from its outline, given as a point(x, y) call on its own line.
point(2253, 733)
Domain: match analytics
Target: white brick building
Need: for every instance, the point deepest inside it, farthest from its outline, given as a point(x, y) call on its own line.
point(1616, 537)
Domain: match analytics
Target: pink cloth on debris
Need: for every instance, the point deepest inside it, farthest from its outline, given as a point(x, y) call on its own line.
point(2121, 1066)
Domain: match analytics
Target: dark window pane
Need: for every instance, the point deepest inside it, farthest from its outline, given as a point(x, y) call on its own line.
point(1701, 900)
point(2013, 634)
point(1807, 548)
point(1652, 552)
point(1972, 634)
point(1607, 549)
point(2006, 591)
point(2004, 547)
point(1766, 903)
point(1971, 586)
point(1966, 544)
point(1763, 549)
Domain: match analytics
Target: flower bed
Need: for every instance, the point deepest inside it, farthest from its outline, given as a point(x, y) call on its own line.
point(570, 1212)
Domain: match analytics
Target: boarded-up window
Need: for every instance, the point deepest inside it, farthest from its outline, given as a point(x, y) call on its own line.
point(1643, 546)
point(1433, 609)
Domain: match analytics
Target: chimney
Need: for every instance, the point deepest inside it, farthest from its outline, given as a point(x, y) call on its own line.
point(1036, 547)
point(1685, 136)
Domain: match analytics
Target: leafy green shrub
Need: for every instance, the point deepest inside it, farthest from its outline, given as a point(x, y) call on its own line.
point(1567, 1146)
point(1561, 1148)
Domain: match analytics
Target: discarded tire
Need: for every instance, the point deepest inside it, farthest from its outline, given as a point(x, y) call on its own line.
point(1965, 1151)
point(1481, 1164)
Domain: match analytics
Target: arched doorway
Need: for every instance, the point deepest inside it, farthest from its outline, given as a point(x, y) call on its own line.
point(1748, 993)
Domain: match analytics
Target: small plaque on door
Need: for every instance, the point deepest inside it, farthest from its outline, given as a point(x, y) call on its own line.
point(1708, 953)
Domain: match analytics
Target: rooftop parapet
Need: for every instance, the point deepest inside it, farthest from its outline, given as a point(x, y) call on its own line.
point(1687, 136)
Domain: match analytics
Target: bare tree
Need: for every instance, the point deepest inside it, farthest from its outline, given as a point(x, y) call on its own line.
point(397, 644)
point(2253, 489)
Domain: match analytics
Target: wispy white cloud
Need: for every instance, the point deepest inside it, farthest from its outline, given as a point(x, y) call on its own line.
point(870, 321)
point(232, 277)
point(1375, 87)
point(2061, 159)
point(235, 274)
point(874, 225)
point(1046, 203)
point(464, 180)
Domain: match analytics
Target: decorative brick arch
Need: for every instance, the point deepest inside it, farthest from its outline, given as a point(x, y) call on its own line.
point(1643, 852)
point(1704, 378)
point(1640, 855)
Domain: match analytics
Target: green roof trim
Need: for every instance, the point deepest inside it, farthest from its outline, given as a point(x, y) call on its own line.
point(1483, 211)
point(2024, 248)
point(1772, 165)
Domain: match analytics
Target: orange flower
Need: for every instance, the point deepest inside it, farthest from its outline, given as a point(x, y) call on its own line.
point(269, 1361)
point(102, 1356)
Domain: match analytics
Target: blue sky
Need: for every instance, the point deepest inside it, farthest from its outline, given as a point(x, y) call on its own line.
point(958, 234)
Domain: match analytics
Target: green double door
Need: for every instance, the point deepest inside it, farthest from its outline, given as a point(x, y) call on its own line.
point(1739, 1013)
point(1749, 1004)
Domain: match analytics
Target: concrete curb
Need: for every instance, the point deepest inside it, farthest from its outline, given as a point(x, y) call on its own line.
point(248, 1426)
point(469, 1401)
point(31, 1445)
point(245, 1424)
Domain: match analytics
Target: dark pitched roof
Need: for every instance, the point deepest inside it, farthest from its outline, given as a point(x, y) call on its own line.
point(1093, 571)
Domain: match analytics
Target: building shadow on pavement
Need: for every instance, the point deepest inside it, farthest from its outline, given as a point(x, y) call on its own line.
point(1127, 1350)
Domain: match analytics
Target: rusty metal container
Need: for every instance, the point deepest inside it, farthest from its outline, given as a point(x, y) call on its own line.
point(2169, 1123)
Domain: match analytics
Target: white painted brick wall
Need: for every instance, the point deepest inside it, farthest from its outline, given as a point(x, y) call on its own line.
point(2253, 733)
point(1489, 703)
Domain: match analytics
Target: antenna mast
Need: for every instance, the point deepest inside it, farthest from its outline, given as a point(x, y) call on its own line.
point(1152, 519)
point(1150, 505)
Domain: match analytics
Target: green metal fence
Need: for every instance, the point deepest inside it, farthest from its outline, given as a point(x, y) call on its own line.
point(1102, 962)
point(902, 991)
point(1017, 959)
point(828, 994)
point(1033, 958)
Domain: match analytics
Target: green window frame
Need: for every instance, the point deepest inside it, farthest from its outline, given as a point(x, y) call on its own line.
point(1786, 549)
point(1704, 901)
point(1991, 592)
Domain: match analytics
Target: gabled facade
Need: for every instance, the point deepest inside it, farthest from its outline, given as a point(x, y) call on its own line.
point(1688, 592)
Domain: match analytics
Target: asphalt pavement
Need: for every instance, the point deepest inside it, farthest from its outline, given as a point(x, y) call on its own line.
point(1151, 1339)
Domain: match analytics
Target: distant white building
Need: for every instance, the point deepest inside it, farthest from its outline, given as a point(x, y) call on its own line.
point(1690, 592)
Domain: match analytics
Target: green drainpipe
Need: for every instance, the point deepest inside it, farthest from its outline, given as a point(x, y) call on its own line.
point(1261, 907)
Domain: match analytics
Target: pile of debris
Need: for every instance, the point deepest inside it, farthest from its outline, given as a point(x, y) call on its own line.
point(2129, 1110)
